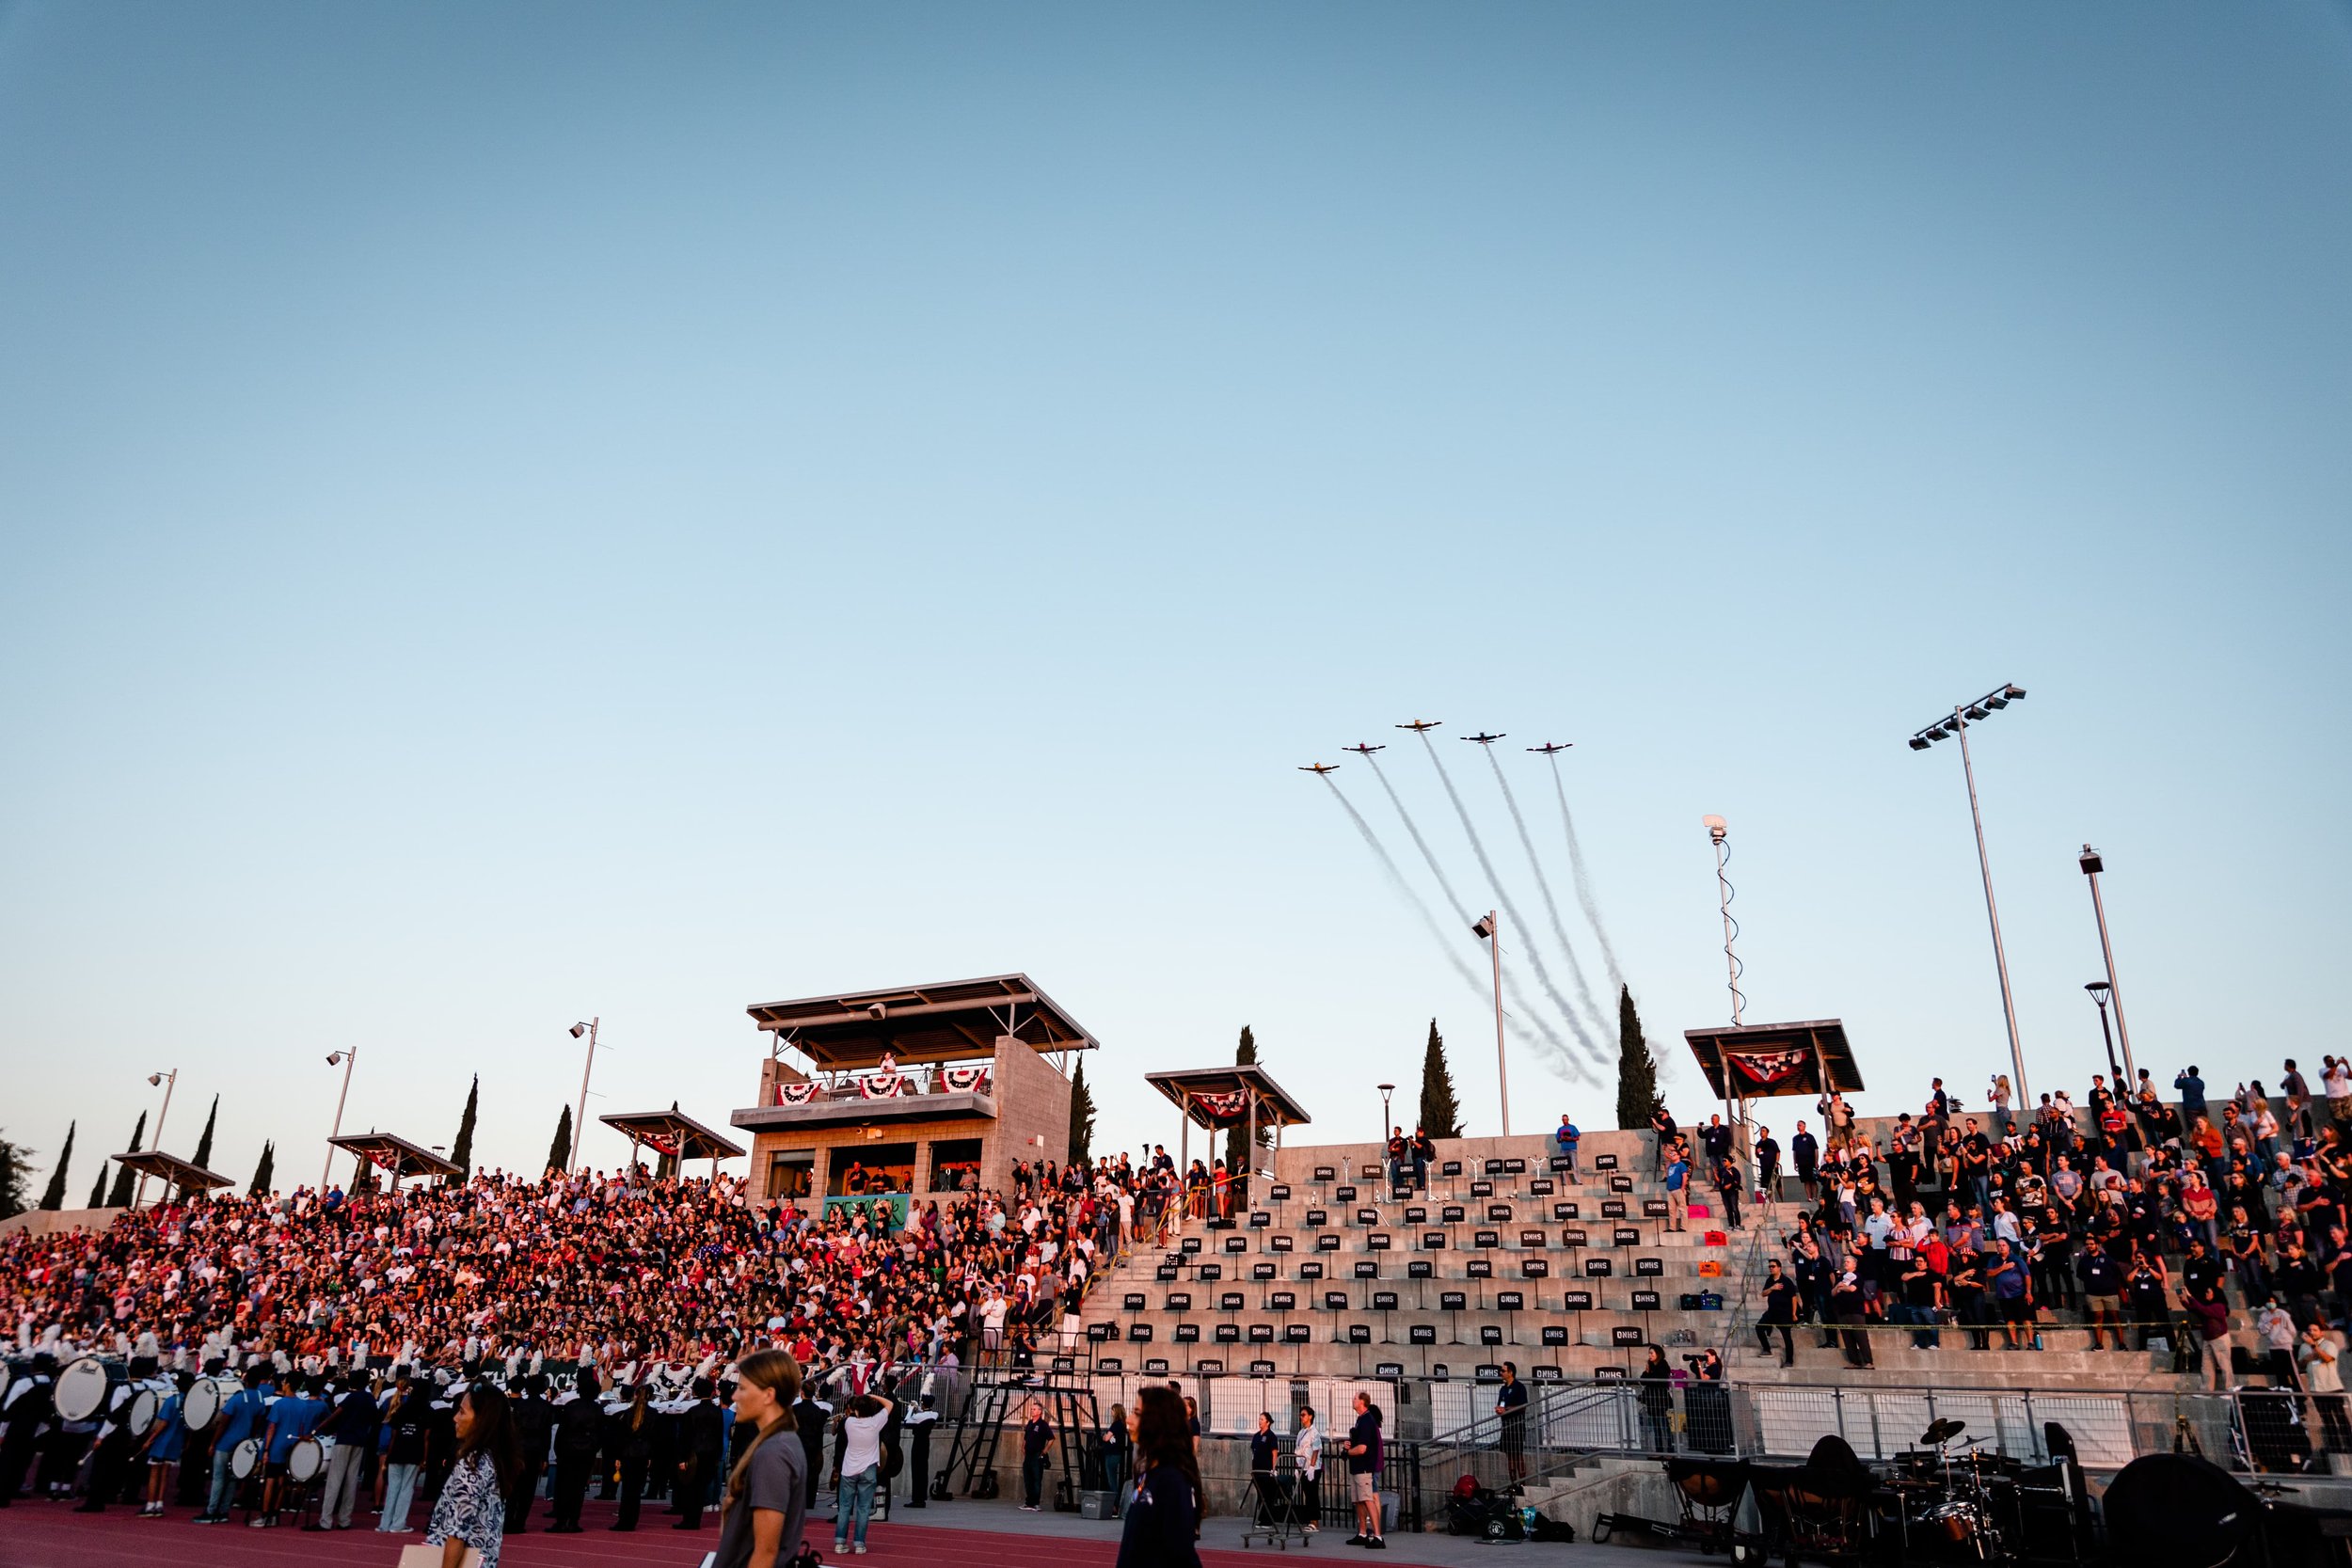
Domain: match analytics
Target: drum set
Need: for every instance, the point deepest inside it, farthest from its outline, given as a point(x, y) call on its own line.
point(1955, 1503)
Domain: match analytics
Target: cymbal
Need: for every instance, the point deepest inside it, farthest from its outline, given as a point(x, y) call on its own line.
point(1941, 1432)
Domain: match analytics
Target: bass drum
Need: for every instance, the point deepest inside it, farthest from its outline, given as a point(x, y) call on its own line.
point(142, 1410)
point(85, 1387)
point(305, 1460)
point(245, 1458)
point(206, 1395)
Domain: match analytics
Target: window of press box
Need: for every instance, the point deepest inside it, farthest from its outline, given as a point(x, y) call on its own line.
point(792, 1174)
point(955, 1165)
point(860, 1169)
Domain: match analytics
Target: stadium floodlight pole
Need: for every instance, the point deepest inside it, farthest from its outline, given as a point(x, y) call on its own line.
point(2092, 864)
point(1380, 1146)
point(171, 1081)
point(1490, 929)
point(1964, 714)
point(579, 1117)
point(342, 1058)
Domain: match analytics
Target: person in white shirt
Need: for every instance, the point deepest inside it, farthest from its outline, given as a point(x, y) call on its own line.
point(1307, 1454)
point(857, 1470)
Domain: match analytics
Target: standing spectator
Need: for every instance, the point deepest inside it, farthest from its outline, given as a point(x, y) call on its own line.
point(1565, 1137)
point(701, 1445)
point(1163, 1525)
point(1400, 1155)
point(1511, 1414)
point(472, 1507)
point(1364, 1456)
point(1768, 1165)
point(761, 1515)
point(2192, 1089)
point(404, 1423)
point(2103, 1291)
point(2277, 1328)
point(2318, 1355)
point(1116, 1442)
point(1780, 1311)
point(1661, 1123)
point(534, 1423)
point(1425, 1155)
point(1727, 1184)
point(2335, 1080)
point(352, 1425)
point(808, 1423)
point(1264, 1449)
point(1806, 1151)
point(1037, 1447)
point(857, 1468)
point(1677, 1189)
point(2299, 1096)
point(1307, 1459)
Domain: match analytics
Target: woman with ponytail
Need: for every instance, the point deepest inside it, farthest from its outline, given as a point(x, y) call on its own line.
point(766, 1501)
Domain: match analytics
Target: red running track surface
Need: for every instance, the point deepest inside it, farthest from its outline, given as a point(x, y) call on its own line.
point(35, 1534)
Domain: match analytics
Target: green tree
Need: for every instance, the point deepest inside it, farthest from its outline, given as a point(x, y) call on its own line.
point(120, 1196)
point(1637, 1069)
point(559, 1147)
point(1081, 1115)
point(203, 1155)
point(52, 1197)
point(1440, 1116)
point(1237, 1137)
point(97, 1188)
point(12, 1159)
point(263, 1171)
point(461, 1152)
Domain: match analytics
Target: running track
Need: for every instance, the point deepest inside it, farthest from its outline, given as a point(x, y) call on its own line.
point(47, 1535)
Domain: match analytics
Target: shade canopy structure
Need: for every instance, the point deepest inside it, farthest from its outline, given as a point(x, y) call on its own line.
point(1221, 1097)
point(175, 1173)
point(952, 1022)
point(395, 1155)
point(672, 1134)
point(1757, 1061)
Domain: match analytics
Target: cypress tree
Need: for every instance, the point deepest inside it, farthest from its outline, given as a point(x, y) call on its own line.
point(263, 1170)
point(1237, 1137)
point(52, 1197)
point(11, 1179)
point(203, 1155)
point(1439, 1115)
point(1081, 1115)
point(559, 1147)
point(461, 1152)
point(1637, 1069)
point(120, 1196)
point(97, 1188)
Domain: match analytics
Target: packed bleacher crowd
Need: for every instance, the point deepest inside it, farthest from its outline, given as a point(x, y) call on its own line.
point(2194, 1219)
point(609, 1311)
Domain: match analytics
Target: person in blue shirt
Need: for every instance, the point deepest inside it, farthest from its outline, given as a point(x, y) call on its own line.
point(243, 1417)
point(291, 1420)
point(1677, 1189)
point(165, 1441)
point(1566, 1136)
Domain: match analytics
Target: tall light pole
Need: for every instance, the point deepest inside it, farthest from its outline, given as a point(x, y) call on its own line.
point(171, 1081)
point(579, 1117)
point(2092, 864)
point(344, 1059)
point(1964, 714)
point(1386, 1090)
point(1490, 929)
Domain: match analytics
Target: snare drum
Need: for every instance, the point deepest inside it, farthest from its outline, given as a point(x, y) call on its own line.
point(245, 1458)
point(85, 1387)
point(305, 1460)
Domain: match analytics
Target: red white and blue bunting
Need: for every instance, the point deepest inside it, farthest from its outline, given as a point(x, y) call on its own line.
point(885, 1085)
point(795, 1094)
point(1767, 1069)
point(1221, 1106)
point(965, 1080)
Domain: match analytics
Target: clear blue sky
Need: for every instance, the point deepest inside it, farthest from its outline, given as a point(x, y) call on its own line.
point(510, 513)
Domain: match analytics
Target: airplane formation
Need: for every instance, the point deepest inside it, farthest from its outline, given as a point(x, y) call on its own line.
point(1422, 726)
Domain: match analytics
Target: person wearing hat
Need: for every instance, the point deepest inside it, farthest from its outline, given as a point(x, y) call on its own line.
point(27, 1406)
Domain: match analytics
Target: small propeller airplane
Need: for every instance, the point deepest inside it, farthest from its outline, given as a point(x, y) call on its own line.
point(1483, 739)
point(1418, 725)
point(1319, 769)
point(1552, 750)
point(1361, 750)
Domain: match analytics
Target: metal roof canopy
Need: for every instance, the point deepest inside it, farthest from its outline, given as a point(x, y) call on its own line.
point(670, 1132)
point(172, 1170)
point(922, 1023)
point(1822, 1040)
point(389, 1153)
point(1274, 1107)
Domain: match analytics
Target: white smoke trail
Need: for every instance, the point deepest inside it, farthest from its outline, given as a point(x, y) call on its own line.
point(1543, 885)
point(1534, 961)
point(1584, 882)
point(1420, 906)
